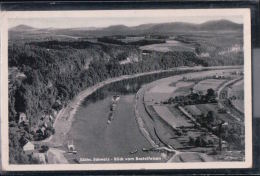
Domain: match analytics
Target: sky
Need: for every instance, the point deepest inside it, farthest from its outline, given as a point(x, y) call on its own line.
point(102, 21)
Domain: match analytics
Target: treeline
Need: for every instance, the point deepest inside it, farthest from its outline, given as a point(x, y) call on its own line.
point(140, 42)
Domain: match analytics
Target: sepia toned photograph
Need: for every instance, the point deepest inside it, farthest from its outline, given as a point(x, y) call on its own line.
point(130, 89)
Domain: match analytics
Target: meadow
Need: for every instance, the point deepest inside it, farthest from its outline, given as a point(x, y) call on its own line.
point(206, 84)
point(169, 46)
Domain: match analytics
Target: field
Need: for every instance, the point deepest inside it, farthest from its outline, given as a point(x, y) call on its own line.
point(193, 109)
point(166, 89)
point(132, 39)
point(183, 88)
point(159, 130)
point(214, 108)
point(181, 84)
point(168, 121)
point(181, 126)
point(174, 119)
point(160, 92)
point(206, 84)
point(170, 45)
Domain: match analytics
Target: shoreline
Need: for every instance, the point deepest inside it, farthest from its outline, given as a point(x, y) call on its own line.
point(65, 117)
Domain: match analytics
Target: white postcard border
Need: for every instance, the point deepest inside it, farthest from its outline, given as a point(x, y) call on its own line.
point(245, 12)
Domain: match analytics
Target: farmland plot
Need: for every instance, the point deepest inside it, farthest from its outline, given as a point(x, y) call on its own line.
point(181, 88)
point(155, 97)
point(162, 88)
point(171, 116)
point(159, 128)
point(182, 91)
point(206, 84)
point(170, 45)
point(193, 110)
point(162, 91)
point(175, 120)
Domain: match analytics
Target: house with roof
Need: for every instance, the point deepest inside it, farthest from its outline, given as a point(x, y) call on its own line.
point(28, 147)
point(42, 159)
point(33, 129)
point(23, 118)
point(71, 146)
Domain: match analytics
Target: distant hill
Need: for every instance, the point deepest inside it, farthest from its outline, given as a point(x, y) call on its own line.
point(220, 25)
point(22, 28)
point(159, 28)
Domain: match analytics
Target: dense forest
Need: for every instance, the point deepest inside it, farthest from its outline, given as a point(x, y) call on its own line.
point(44, 76)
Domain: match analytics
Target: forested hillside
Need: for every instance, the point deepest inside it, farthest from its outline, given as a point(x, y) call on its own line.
point(55, 71)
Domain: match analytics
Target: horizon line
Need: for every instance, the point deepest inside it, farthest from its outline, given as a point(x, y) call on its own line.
point(120, 24)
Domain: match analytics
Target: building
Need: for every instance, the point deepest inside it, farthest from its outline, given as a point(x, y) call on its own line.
point(22, 118)
point(40, 157)
point(28, 147)
point(71, 146)
point(33, 129)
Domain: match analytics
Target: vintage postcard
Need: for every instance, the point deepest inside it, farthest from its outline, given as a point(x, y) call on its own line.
point(126, 89)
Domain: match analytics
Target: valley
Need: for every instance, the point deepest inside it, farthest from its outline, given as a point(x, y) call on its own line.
point(61, 82)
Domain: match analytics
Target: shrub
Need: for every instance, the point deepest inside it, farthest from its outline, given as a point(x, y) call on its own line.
point(200, 142)
point(191, 141)
point(44, 148)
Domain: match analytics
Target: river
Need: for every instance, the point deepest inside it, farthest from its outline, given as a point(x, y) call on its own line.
point(94, 138)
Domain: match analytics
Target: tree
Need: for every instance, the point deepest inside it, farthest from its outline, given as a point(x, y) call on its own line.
point(210, 92)
point(200, 142)
point(16, 141)
point(210, 117)
point(44, 148)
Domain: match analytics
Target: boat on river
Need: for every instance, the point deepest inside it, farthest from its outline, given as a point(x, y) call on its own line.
point(115, 98)
point(71, 148)
point(110, 118)
point(113, 106)
point(133, 152)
